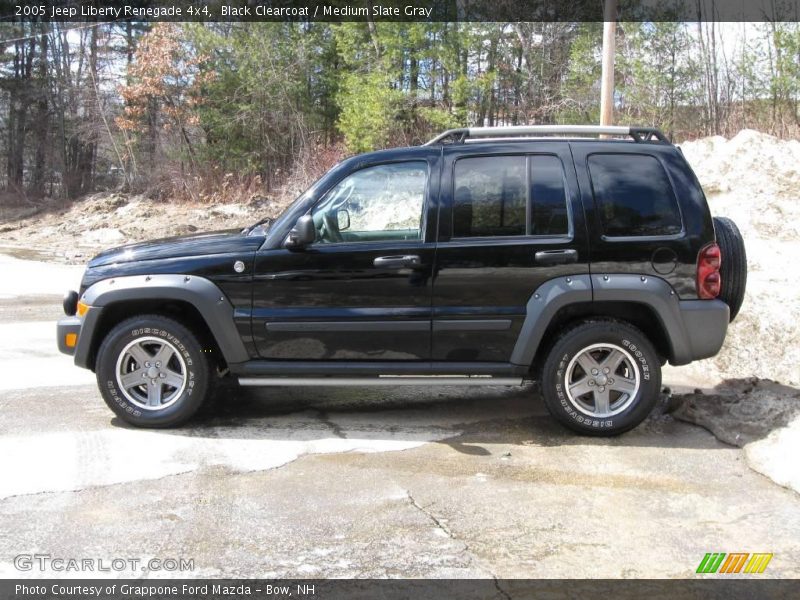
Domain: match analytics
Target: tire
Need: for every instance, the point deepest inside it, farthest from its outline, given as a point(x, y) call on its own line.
point(631, 394)
point(733, 269)
point(183, 378)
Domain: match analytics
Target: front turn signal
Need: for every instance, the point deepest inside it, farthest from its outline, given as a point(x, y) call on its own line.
point(82, 308)
point(71, 340)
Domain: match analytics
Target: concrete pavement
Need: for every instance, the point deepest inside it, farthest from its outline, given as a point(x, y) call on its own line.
point(363, 482)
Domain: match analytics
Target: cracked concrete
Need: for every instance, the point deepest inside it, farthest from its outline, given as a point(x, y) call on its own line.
point(365, 482)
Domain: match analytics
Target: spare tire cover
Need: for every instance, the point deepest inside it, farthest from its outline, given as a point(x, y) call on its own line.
point(733, 270)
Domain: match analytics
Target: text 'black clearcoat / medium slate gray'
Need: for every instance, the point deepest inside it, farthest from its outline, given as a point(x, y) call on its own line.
point(581, 257)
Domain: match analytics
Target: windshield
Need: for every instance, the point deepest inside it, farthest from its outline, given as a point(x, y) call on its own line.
point(264, 225)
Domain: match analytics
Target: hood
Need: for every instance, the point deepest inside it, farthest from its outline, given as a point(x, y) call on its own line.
point(218, 242)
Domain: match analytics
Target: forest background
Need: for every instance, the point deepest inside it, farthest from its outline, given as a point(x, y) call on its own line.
point(225, 112)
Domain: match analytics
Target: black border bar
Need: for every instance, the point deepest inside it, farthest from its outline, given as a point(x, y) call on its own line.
point(395, 10)
point(722, 588)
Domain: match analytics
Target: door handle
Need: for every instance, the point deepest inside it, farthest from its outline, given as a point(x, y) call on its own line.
point(397, 262)
point(556, 257)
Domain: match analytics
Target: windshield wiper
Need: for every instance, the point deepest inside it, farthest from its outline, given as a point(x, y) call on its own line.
point(268, 221)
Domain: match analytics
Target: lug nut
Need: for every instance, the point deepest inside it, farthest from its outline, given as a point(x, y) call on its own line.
point(591, 382)
point(595, 371)
point(610, 381)
point(162, 375)
point(602, 389)
point(147, 365)
point(606, 370)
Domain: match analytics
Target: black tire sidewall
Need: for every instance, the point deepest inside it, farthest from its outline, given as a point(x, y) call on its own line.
point(177, 335)
point(734, 264)
point(575, 340)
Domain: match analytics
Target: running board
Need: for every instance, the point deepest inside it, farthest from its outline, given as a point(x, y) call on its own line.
point(378, 381)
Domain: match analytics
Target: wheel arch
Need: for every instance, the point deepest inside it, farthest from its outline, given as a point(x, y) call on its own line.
point(648, 303)
point(179, 310)
point(640, 315)
point(194, 301)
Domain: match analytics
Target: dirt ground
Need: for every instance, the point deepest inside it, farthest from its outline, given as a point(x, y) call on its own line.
point(74, 233)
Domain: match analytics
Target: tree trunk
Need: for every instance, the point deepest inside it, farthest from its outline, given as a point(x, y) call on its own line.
point(18, 111)
point(41, 126)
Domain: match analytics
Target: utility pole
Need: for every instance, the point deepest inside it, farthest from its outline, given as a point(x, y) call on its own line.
point(607, 78)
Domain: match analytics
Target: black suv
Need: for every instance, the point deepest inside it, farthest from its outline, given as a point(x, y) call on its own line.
point(488, 256)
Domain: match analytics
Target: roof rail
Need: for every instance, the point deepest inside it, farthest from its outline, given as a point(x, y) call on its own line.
point(639, 134)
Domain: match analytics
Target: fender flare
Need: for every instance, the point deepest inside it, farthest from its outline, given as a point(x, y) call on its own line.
point(652, 292)
point(212, 304)
point(546, 301)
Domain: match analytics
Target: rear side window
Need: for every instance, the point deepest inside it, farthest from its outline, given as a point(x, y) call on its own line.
point(509, 196)
point(490, 196)
point(548, 197)
point(633, 195)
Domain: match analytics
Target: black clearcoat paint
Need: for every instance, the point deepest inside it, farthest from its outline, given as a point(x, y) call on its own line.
point(463, 280)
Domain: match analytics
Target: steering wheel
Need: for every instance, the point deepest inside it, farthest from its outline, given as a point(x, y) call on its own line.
point(331, 231)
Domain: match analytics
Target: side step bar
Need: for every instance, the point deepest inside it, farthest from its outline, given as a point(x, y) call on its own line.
point(358, 369)
point(379, 381)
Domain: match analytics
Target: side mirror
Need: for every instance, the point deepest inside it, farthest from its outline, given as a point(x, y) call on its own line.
point(302, 234)
point(343, 219)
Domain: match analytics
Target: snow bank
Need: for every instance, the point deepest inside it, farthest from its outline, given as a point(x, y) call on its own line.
point(754, 179)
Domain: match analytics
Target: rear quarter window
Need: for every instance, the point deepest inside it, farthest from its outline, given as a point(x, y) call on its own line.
point(633, 195)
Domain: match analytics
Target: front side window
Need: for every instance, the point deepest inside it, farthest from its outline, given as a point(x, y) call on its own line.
point(379, 203)
point(633, 195)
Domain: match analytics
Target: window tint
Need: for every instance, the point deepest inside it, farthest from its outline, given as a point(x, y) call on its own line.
point(490, 196)
point(374, 204)
point(548, 197)
point(633, 195)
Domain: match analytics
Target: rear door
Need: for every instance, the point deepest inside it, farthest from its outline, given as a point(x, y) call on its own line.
point(636, 220)
point(511, 220)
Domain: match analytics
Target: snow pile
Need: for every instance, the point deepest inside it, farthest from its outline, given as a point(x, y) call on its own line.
point(754, 179)
point(762, 417)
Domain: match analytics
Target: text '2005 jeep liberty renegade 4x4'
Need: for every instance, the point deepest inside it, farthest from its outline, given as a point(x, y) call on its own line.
point(488, 256)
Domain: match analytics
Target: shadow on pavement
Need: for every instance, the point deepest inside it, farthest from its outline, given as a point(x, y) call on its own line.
point(466, 419)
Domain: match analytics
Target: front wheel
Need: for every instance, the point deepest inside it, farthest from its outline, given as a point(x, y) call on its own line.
point(601, 378)
point(153, 372)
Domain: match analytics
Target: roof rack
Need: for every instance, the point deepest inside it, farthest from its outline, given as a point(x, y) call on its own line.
point(639, 134)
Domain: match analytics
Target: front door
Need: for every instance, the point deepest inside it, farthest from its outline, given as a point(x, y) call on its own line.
point(362, 290)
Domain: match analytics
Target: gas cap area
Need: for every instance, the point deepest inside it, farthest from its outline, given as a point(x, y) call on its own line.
point(664, 260)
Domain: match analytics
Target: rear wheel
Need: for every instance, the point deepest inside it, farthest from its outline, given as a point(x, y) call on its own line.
point(733, 270)
point(153, 372)
point(601, 378)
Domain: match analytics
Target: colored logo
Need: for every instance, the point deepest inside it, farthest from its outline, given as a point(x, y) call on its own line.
point(735, 562)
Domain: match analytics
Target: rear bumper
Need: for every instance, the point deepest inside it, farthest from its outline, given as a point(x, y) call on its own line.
point(65, 328)
point(705, 324)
